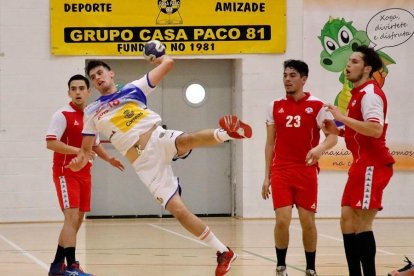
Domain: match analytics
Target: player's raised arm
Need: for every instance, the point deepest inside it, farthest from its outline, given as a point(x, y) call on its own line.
point(154, 52)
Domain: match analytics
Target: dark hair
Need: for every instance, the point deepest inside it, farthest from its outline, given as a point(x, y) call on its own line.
point(79, 77)
point(95, 63)
point(298, 65)
point(370, 58)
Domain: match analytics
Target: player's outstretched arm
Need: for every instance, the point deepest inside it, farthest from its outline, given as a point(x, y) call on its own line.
point(77, 163)
point(103, 154)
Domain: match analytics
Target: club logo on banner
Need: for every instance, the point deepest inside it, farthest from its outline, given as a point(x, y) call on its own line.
point(169, 13)
point(188, 27)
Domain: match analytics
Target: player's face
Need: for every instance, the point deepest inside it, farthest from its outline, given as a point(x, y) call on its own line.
point(102, 79)
point(356, 71)
point(293, 81)
point(78, 92)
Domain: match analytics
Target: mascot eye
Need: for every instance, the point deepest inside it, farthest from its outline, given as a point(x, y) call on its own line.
point(330, 45)
point(344, 36)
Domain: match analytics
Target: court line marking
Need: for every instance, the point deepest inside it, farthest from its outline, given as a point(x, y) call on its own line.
point(25, 252)
point(272, 260)
point(178, 234)
point(256, 254)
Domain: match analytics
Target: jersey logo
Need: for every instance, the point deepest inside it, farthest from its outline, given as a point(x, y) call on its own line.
point(281, 110)
point(313, 206)
point(353, 102)
point(128, 116)
point(309, 110)
point(76, 123)
point(359, 203)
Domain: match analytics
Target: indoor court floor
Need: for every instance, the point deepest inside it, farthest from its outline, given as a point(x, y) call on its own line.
point(160, 246)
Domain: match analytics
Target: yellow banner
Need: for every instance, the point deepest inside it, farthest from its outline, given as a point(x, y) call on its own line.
point(189, 27)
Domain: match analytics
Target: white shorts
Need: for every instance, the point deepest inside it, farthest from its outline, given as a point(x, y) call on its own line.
point(154, 168)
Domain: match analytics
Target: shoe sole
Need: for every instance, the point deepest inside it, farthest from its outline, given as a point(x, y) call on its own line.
point(247, 129)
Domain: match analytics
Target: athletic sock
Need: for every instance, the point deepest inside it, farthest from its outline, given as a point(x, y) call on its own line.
point(221, 135)
point(310, 260)
point(352, 254)
point(211, 240)
point(281, 256)
point(60, 255)
point(70, 255)
point(367, 249)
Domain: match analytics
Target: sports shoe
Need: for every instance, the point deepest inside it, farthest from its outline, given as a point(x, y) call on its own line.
point(234, 127)
point(281, 270)
point(310, 272)
point(75, 270)
point(224, 261)
point(57, 269)
point(407, 270)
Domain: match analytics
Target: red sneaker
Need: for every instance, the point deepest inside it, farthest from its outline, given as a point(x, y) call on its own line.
point(407, 270)
point(234, 127)
point(224, 261)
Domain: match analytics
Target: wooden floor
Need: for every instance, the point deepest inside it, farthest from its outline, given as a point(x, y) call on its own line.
point(163, 247)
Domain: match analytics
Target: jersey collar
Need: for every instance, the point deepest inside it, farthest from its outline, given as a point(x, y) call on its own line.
point(74, 106)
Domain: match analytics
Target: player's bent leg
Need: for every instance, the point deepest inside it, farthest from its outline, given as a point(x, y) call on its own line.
point(188, 141)
point(188, 220)
point(193, 224)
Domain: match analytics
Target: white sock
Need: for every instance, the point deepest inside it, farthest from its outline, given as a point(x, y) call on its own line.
point(211, 240)
point(221, 135)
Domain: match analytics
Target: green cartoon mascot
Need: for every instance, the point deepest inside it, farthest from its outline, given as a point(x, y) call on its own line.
point(339, 39)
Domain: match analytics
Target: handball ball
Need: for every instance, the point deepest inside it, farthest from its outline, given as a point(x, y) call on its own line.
point(153, 49)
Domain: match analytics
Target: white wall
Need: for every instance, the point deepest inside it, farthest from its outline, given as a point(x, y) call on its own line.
point(33, 85)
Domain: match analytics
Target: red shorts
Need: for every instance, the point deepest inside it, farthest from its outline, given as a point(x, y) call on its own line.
point(297, 186)
point(73, 190)
point(365, 186)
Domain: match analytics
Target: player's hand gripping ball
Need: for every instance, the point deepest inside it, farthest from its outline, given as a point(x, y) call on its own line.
point(153, 49)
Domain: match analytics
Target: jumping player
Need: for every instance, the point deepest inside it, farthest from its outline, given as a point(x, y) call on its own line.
point(135, 131)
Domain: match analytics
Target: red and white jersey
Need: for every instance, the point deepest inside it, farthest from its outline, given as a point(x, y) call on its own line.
point(66, 126)
point(297, 126)
point(368, 103)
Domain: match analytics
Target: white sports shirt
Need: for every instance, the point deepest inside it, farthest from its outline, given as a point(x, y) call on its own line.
point(123, 116)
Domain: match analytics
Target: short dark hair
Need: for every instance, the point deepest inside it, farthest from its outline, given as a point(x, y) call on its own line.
point(95, 63)
point(370, 58)
point(79, 77)
point(298, 65)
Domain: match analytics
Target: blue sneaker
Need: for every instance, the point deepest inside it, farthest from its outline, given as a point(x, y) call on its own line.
point(75, 270)
point(57, 269)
